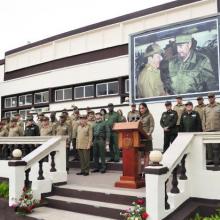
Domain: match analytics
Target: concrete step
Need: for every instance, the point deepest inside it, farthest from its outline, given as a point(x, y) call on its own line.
point(45, 213)
point(85, 206)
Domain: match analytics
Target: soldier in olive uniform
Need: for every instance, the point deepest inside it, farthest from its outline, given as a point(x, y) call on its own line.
point(147, 121)
point(190, 120)
point(101, 135)
point(6, 123)
point(211, 122)
point(179, 108)
point(19, 120)
point(63, 129)
point(83, 144)
point(190, 71)
point(200, 107)
point(3, 147)
point(75, 114)
point(53, 120)
point(40, 119)
point(133, 115)
point(149, 81)
point(46, 128)
point(168, 123)
point(111, 118)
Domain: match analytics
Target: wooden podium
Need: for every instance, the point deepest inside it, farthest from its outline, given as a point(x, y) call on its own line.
point(129, 140)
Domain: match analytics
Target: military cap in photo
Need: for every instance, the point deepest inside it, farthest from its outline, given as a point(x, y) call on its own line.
point(110, 104)
point(83, 116)
point(211, 94)
point(167, 103)
point(152, 49)
point(188, 103)
point(199, 98)
point(133, 105)
point(14, 119)
point(179, 97)
point(183, 38)
point(40, 114)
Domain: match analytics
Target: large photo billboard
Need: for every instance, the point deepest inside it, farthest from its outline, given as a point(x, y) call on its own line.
point(179, 59)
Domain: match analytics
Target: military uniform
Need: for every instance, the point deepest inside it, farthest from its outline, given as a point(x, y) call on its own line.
point(147, 121)
point(111, 118)
point(190, 122)
point(54, 124)
point(133, 116)
point(200, 110)
point(168, 120)
point(21, 124)
point(83, 143)
point(47, 130)
point(75, 124)
point(149, 83)
point(101, 135)
point(91, 123)
point(179, 108)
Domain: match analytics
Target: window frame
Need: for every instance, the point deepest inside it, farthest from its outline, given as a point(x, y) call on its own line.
point(41, 97)
point(107, 88)
point(11, 106)
point(127, 87)
point(63, 99)
point(25, 100)
point(84, 92)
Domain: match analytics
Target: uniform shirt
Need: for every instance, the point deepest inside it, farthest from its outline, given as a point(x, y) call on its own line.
point(64, 130)
point(75, 125)
point(149, 82)
point(111, 118)
point(101, 130)
point(168, 120)
point(54, 124)
point(47, 130)
point(39, 124)
point(190, 122)
point(133, 116)
point(211, 117)
point(21, 124)
point(200, 110)
point(84, 137)
point(147, 121)
point(32, 130)
point(179, 108)
point(91, 123)
point(15, 131)
point(3, 132)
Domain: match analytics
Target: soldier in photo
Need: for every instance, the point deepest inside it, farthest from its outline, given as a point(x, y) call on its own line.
point(3, 147)
point(211, 123)
point(179, 108)
point(40, 119)
point(191, 67)
point(6, 122)
point(147, 121)
point(103, 113)
point(168, 123)
point(149, 81)
point(20, 121)
point(63, 129)
point(75, 113)
point(53, 120)
point(101, 136)
point(190, 120)
point(133, 115)
point(83, 144)
point(46, 128)
point(200, 107)
point(111, 118)
point(122, 117)
point(68, 118)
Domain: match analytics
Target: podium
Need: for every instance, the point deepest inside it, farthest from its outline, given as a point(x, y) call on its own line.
point(129, 140)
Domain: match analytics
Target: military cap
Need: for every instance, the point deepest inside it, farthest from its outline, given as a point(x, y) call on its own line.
point(64, 111)
point(46, 118)
point(52, 113)
point(183, 38)
point(179, 97)
point(62, 116)
point(98, 113)
point(75, 107)
point(40, 114)
point(110, 104)
point(133, 105)
point(188, 103)
point(167, 103)
point(83, 116)
point(199, 98)
point(14, 119)
point(152, 49)
point(211, 94)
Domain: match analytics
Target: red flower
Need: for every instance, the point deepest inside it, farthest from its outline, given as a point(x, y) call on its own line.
point(144, 215)
point(26, 197)
point(140, 202)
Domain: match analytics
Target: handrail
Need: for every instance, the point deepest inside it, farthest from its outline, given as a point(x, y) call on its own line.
point(24, 140)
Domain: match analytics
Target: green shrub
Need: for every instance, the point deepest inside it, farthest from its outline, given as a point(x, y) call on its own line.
point(4, 190)
point(215, 216)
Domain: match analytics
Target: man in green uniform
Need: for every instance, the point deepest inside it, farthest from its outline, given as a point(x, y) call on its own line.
point(149, 81)
point(200, 107)
point(179, 108)
point(101, 135)
point(168, 123)
point(190, 71)
point(133, 115)
point(190, 120)
point(111, 118)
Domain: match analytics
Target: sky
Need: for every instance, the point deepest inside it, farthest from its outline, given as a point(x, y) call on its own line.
point(24, 21)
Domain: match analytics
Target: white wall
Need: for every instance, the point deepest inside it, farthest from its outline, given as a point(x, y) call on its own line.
point(2, 73)
point(108, 36)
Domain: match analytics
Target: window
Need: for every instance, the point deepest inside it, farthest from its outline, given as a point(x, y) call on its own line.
point(84, 92)
point(63, 94)
point(41, 97)
point(25, 100)
point(10, 114)
point(127, 86)
point(10, 102)
point(24, 113)
point(110, 88)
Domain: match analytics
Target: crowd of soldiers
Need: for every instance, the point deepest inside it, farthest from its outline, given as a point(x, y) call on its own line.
point(91, 135)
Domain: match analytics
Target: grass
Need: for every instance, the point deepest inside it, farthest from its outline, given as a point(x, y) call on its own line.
point(4, 190)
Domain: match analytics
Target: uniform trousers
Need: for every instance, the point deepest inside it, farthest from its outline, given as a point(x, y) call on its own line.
point(84, 156)
point(168, 139)
point(113, 147)
point(99, 152)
